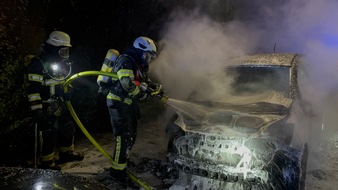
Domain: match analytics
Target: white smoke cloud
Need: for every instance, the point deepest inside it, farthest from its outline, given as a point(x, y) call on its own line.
point(194, 51)
point(309, 27)
point(195, 47)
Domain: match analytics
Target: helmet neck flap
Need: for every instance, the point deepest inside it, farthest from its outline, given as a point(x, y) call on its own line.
point(138, 56)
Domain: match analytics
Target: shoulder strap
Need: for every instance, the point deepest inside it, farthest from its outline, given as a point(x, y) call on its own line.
point(45, 70)
point(118, 60)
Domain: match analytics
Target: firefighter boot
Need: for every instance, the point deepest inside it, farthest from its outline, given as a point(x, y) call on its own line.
point(69, 157)
point(51, 165)
point(119, 176)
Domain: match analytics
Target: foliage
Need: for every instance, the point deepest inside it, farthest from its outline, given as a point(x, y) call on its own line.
point(13, 101)
point(94, 27)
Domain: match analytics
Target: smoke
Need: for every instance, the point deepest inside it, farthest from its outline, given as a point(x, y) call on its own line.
point(309, 28)
point(194, 51)
point(196, 43)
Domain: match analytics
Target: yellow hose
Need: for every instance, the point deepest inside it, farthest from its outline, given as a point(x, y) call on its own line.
point(84, 130)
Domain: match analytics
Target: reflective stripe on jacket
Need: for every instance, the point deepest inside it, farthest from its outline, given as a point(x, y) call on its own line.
point(41, 87)
point(124, 89)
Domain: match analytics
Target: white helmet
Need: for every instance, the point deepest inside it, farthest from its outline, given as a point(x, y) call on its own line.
point(146, 44)
point(58, 38)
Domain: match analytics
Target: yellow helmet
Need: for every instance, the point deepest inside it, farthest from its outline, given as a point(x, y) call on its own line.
point(58, 38)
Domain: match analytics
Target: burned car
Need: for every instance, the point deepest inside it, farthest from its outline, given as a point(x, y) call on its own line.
point(250, 140)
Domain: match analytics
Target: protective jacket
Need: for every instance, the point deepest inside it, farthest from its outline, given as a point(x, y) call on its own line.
point(46, 97)
point(126, 88)
point(41, 86)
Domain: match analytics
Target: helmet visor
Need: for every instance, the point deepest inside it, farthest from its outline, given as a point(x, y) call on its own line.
point(59, 70)
point(148, 55)
point(64, 52)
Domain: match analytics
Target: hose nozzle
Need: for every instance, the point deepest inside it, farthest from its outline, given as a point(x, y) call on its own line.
point(164, 99)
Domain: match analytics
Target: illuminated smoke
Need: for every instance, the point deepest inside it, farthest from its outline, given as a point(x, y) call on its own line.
point(196, 43)
point(195, 48)
point(308, 27)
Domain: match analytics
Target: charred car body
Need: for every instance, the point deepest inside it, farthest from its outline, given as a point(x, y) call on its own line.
point(248, 141)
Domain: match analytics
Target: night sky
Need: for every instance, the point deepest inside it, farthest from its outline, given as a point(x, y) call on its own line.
point(96, 26)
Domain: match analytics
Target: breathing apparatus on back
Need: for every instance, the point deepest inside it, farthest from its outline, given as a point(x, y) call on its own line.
point(107, 67)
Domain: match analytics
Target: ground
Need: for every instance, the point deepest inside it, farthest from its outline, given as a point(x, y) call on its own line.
point(149, 156)
point(322, 168)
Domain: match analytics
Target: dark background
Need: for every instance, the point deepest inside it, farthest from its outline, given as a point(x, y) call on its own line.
point(94, 27)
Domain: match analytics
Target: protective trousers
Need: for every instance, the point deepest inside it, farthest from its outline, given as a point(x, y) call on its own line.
point(56, 131)
point(123, 119)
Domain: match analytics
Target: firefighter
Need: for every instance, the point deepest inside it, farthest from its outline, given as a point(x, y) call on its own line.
point(124, 95)
point(46, 74)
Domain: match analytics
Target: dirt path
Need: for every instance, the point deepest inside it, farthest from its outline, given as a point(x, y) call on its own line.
point(151, 143)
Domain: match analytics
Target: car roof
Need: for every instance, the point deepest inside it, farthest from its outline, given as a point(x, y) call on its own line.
point(268, 59)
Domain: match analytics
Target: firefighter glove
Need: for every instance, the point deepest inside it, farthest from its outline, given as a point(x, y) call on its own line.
point(103, 91)
point(55, 108)
point(144, 87)
point(143, 96)
point(158, 91)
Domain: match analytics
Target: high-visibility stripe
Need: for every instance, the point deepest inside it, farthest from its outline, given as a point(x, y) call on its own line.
point(37, 106)
point(35, 77)
point(34, 97)
point(45, 82)
point(112, 96)
point(136, 91)
point(48, 157)
point(118, 166)
point(49, 82)
point(117, 149)
point(125, 73)
point(128, 101)
point(52, 90)
point(104, 79)
point(67, 149)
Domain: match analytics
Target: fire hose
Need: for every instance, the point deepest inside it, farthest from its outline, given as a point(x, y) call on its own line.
point(84, 130)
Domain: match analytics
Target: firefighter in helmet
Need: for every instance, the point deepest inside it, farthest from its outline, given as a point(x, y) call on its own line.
point(124, 94)
point(46, 74)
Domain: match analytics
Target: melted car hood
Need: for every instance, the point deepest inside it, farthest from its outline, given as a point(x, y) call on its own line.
point(251, 108)
point(233, 118)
